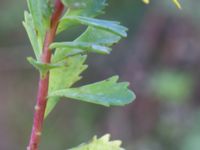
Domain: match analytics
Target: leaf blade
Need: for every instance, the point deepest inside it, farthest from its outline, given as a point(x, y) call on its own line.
point(40, 12)
point(64, 77)
point(98, 36)
point(30, 29)
point(103, 143)
point(85, 46)
point(87, 8)
point(106, 92)
point(91, 35)
point(44, 68)
point(111, 26)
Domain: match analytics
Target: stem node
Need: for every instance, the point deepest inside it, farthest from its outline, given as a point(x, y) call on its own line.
point(37, 108)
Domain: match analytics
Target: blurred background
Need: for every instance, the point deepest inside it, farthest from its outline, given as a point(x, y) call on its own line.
point(160, 58)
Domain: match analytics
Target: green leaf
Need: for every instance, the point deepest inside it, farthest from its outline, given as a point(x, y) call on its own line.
point(84, 7)
point(111, 26)
point(40, 11)
point(87, 8)
point(84, 46)
point(63, 53)
point(91, 35)
point(99, 36)
point(106, 93)
point(102, 143)
point(44, 68)
point(30, 29)
point(64, 77)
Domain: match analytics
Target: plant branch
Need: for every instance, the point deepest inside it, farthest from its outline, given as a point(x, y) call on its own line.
point(44, 80)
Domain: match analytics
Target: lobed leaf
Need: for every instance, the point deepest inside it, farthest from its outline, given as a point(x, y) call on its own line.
point(64, 77)
point(63, 53)
point(91, 35)
point(87, 8)
point(106, 93)
point(30, 29)
point(83, 46)
point(111, 26)
point(40, 11)
point(44, 68)
point(96, 36)
point(99, 36)
point(37, 23)
point(102, 143)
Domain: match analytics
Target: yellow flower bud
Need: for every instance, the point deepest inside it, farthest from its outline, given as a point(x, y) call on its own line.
point(176, 2)
point(146, 1)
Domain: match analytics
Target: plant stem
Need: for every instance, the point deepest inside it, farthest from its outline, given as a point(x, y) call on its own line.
point(44, 80)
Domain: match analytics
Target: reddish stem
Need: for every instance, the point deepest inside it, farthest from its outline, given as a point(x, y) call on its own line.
point(44, 81)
